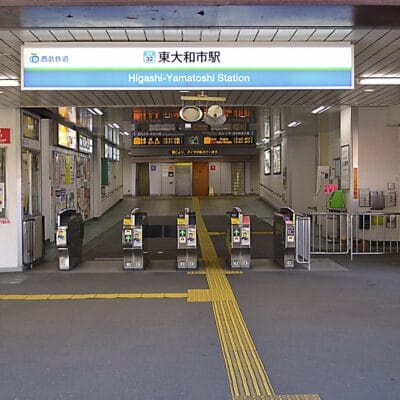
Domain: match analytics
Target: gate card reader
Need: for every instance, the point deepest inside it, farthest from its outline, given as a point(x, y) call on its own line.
point(186, 240)
point(69, 238)
point(239, 234)
point(132, 240)
point(285, 237)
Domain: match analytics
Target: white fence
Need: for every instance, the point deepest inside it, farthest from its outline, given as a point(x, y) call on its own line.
point(330, 233)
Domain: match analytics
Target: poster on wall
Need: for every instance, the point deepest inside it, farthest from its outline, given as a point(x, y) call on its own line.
point(61, 199)
point(267, 162)
point(67, 137)
point(277, 159)
point(345, 167)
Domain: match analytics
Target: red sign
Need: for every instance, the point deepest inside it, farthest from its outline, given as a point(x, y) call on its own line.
point(329, 188)
point(212, 167)
point(5, 134)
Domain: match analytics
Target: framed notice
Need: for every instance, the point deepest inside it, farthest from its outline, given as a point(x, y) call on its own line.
point(345, 167)
point(267, 127)
point(277, 162)
point(267, 162)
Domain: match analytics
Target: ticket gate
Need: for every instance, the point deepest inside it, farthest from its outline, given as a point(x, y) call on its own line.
point(285, 237)
point(69, 238)
point(239, 229)
point(132, 240)
point(186, 240)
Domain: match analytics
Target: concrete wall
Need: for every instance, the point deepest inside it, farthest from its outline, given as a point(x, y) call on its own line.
point(11, 225)
point(114, 191)
point(378, 152)
point(128, 186)
point(45, 129)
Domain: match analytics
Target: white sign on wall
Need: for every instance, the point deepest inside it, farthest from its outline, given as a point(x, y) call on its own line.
point(89, 66)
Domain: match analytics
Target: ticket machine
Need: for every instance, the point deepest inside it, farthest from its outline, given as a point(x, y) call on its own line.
point(186, 240)
point(132, 240)
point(239, 240)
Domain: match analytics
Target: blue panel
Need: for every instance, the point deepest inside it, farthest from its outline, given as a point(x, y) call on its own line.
point(198, 79)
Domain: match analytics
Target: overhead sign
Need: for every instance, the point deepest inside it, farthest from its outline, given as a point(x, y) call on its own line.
point(89, 66)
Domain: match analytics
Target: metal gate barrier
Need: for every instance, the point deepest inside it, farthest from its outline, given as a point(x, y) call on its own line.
point(375, 233)
point(330, 233)
point(303, 243)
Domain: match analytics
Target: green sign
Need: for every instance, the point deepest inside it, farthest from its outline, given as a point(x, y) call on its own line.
point(236, 232)
point(182, 232)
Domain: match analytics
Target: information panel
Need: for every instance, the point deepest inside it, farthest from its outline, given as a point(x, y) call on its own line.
point(88, 66)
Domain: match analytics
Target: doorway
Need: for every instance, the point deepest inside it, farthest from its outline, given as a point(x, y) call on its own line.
point(183, 179)
point(200, 179)
point(142, 179)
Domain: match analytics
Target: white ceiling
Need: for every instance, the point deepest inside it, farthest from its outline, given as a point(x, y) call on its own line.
point(377, 51)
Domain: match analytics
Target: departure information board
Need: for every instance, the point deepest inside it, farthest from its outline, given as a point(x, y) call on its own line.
point(157, 140)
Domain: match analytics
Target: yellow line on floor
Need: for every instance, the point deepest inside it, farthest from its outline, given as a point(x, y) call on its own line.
point(245, 370)
point(95, 296)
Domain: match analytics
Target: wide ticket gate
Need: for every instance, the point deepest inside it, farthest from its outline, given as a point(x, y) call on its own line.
point(132, 240)
point(239, 241)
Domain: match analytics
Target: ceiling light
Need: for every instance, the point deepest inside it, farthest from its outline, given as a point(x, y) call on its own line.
point(294, 124)
point(126, 133)
point(9, 82)
point(97, 111)
point(91, 111)
point(279, 132)
point(115, 125)
point(1, 92)
point(380, 81)
point(320, 109)
point(369, 90)
point(110, 125)
point(184, 91)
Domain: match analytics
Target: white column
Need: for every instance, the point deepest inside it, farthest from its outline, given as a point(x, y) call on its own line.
point(45, 154)
point(11, 225)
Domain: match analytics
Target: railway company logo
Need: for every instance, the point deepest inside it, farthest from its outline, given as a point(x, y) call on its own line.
point(34, 58)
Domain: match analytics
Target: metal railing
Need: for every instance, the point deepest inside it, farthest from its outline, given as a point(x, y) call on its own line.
point(330, 233)
point(303, 254)
point(375, 233)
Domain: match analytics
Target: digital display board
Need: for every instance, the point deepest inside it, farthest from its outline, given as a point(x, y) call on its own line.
point(67, 137)
point(228, 140)
point(158, 140)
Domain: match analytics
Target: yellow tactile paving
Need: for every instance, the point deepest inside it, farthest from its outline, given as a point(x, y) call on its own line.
point(247, 376)
point(225, 272)
point(96, 296)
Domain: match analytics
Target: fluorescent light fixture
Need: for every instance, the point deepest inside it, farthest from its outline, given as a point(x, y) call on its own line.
point(369, 90)
point(380, 81)
point(320, 109)
point(91, 111)
point(115, 125)
point(126, 133)
point(279, 132)
point(97, 111)
point(184, 91)
point(265, 140)
point(294, 124)
point(9, 82)
point(110, 125)
point(1, 92)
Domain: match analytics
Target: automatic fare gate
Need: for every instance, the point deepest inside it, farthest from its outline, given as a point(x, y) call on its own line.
point(186, 240)
point(291, 238)
point(132, 240)
point(239, 239)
